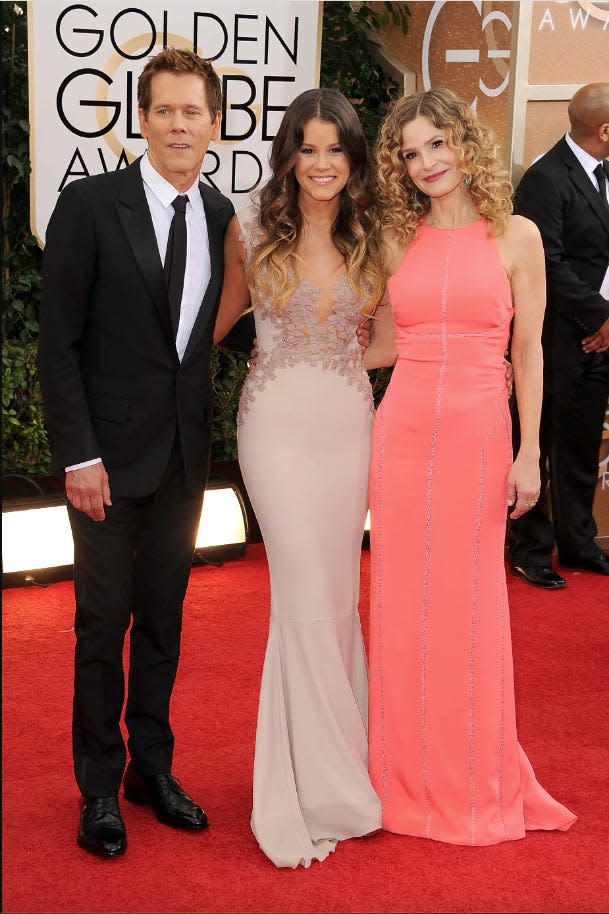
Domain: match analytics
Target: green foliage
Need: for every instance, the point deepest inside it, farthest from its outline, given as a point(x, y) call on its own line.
point(347, 61)
point(380, 378)
point(21, 256)
point(391, 14)
point(228, 372)
point(25, 447)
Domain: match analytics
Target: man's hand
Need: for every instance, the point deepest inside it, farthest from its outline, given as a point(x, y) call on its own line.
point(363, 335)
point(599, 341)
point(88, 489)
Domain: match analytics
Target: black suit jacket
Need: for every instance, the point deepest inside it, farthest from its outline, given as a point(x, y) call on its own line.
point(557, 194)
point(112, 383)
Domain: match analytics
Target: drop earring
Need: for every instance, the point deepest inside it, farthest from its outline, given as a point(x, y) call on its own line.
point(414, 201)
point(467, 180)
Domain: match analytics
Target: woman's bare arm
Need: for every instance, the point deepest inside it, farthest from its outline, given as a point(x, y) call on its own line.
point(235, 296)
point(382, 350)
point(524, 248)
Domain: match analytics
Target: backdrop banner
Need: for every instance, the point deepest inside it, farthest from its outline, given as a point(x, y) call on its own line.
point(85, 59)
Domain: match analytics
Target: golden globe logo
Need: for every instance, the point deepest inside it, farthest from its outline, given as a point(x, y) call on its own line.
point(595, 9)
point(471, 55)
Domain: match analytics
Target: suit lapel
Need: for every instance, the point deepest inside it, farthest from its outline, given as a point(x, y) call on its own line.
point(135, 218)
point(584, 185)
point(216, 256)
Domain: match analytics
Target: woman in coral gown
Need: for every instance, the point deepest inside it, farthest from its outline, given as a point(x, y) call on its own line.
point(444, 755)
point(311, 255)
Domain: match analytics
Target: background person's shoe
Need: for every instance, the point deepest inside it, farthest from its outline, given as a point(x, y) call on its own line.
point(538, 576)
point(599, 564)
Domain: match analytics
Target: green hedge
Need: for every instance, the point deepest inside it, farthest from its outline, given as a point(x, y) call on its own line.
point(228, 372)
point(25, 448)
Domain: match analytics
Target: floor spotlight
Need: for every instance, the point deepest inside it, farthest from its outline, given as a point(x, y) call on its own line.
point(37, 543)
point(223, 526)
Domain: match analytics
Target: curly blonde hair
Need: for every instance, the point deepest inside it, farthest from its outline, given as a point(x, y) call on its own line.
point(478, 150)
point(273, 267)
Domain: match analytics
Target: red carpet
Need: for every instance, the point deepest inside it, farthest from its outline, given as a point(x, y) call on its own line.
point(560, 654)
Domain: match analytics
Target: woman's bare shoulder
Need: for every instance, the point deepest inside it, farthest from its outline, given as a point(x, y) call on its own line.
point(522, 231)
point(251, 233)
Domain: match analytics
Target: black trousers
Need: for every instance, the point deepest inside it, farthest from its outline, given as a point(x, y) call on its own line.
point(570, 439)
point(131, 568)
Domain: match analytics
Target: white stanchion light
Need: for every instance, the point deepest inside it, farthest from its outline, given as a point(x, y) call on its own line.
point(36, 535)
point(222, 519)
point(36, 538)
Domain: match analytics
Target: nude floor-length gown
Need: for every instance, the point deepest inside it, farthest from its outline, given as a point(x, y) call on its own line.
point(304, 438)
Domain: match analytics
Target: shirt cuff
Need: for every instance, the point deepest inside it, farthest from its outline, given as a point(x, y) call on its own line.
point(81, 466)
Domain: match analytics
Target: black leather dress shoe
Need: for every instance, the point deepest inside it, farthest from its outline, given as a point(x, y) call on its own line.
point(538, 576)
point(599, 564)
point(171, 804)
point(102, 830)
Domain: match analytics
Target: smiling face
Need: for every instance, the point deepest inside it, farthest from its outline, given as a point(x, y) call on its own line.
point(430, 163)
point(178, 126)
point(322, 168)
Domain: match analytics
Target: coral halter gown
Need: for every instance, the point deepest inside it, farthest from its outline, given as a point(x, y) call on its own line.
point(444, 755)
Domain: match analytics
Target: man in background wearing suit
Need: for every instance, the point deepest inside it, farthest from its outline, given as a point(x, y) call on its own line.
point(565, 193)
point(133, 270)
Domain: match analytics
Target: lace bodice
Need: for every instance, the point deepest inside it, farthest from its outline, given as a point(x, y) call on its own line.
point(297, 335)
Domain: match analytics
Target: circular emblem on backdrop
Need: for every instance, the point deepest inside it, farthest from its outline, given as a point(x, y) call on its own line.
point(595, 9)
point(489, 73)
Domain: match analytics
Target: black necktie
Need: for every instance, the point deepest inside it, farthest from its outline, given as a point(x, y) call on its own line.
point(175, 259)
point(599, 174)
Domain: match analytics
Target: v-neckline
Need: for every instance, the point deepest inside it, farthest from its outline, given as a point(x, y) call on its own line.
point(316, 290)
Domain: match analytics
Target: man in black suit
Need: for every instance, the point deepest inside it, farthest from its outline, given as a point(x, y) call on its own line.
point(125, 344)
point(565, 193)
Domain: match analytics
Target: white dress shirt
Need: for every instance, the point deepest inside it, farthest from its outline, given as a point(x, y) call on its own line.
point(160, 195)
point(587, 162)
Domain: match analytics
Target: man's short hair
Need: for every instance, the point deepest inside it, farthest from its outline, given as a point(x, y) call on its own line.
point(175, 60)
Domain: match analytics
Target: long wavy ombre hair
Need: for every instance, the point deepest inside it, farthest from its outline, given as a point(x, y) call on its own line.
point(474, 142)
point(273, 268)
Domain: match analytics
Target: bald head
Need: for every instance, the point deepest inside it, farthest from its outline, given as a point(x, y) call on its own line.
point(589, 116)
